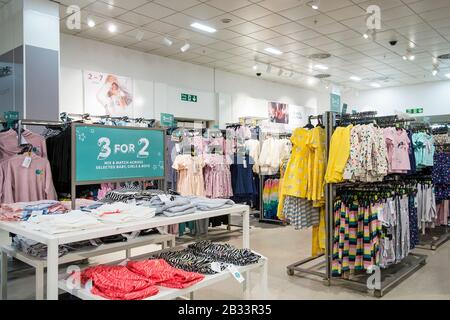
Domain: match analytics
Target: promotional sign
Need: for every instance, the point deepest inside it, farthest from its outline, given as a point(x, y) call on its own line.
point(108, 94)
point(279, 112)
point(117, 153)
point(335, 102)
point(167, 120)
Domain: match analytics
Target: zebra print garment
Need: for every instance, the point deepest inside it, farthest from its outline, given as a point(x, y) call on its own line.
point(122, 195)
point(188, 261)
point(224, 253)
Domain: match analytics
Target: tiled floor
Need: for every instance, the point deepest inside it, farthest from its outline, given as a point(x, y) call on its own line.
point(283, 246)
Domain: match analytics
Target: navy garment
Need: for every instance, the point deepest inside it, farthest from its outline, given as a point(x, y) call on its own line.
point(244, 186)
point(413, 223)
point(412, 157)
point(441, 176)
point(171, 173)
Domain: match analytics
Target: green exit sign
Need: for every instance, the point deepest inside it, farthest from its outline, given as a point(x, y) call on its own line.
point(189, 97)
point(414, 111)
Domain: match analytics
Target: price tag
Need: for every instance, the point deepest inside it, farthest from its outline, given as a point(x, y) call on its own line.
point(164, 198)
point(26, 162)
point(178, 147)
point(236, 274)
point(245, 163)
point(23, 140)
point(215, 266)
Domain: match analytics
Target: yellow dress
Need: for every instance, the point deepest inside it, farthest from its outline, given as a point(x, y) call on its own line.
point(339, 154)
point(316, 186)
point(295, 182)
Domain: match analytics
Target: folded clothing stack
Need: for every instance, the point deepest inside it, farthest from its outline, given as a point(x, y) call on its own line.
point(120, 212)
point(137, 280)
point(199, 256)
point(22, 211)
point(39, 250)
point(73, 221)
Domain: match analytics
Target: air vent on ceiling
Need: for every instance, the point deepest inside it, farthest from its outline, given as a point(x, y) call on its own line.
point(320, 56)
point(322, 75)
point(444, 56)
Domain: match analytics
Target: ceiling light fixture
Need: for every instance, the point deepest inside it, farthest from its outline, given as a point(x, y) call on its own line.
point(167, 41)
point(409, 56)
point(312, 81)
point(435, 71)
point(448, 75)
point(355, 78)
point(91, 23)
point(140, 35)
point(412, 45)
point(255, 67)
point(315, 4)
point(366, 35)
point(320, 67)
point(375, 85)
point(202, 27)
point(112, 28)
point(186, 47)
point(370, 33)
point(273, 51)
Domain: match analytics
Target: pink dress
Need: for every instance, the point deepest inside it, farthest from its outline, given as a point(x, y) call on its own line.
point(218, 176)
point(397, 142)
point(190, 180)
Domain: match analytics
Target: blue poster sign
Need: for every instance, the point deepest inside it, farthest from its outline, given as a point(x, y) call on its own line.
point(335, 102)
point(118, 153)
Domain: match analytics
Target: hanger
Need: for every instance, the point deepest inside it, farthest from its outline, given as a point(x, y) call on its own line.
point(319, 124)
point(309, 125)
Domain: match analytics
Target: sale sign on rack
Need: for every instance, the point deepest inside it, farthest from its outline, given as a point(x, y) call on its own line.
point(117, 153)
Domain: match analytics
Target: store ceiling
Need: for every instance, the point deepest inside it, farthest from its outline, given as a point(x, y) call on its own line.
point(290, 26)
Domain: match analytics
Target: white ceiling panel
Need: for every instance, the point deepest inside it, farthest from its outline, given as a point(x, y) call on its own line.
point(245, 28)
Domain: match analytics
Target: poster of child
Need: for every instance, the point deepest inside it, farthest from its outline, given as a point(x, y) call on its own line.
point(108, 94)
point(279, 112)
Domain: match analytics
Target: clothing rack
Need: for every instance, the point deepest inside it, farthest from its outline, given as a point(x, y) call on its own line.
point(391, 276)
point(87, 116)
point(27, 122)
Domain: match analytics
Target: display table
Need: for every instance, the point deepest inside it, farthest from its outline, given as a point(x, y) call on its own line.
point(84, 293)
point(54, 241)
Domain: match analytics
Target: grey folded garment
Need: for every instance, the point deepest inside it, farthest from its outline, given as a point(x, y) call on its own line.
point(205, 204)
point(180, 211)
point(178, 204)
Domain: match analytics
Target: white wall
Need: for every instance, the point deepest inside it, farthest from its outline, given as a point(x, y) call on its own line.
point(159, 83)
point(11, 26)
point(434, 97)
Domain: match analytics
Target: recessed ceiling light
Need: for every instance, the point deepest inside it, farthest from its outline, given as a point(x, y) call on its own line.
point(91, 23)
point(186, 47)
point(412, 57)
point(140, 35)
point(255, 67)
point(448, 75)
point(167, 41)
point(435, 72)
point(355, 78)
point(312, 81)
point(320, 67)
point(375, 85)
point(365, 36)
point(315, 4)
point(202, 27)
point(112, 28)
point(412, 45)
point(273, 51)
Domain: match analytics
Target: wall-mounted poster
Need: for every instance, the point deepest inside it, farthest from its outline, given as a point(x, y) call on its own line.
point(279, 112)
point(108, 94)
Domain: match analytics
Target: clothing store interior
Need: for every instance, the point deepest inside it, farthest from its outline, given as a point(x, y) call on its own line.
point(224, 150)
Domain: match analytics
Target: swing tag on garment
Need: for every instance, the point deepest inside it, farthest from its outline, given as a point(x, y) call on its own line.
point(23, 141)
point(244, 162)
point(164, 198)
point(178, 147)
point(236, 274)
point(215, 266)
point(26, 162)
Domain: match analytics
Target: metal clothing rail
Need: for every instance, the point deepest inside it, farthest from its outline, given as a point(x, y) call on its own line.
point(27, 122)
point(390, 277)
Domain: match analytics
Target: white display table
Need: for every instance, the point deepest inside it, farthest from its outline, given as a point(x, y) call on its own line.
point(54, 241)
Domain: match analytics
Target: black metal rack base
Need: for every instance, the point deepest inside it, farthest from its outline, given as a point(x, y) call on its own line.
point(434, 238)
